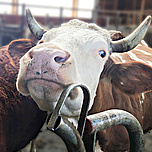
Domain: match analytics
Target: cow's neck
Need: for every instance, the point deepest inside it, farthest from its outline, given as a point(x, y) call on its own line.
point(109, 96)
point(99, 105)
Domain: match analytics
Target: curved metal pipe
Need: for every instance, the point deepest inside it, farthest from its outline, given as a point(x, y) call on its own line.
point(96, 122)
point(133, 39)
point(69, 135)
point(84, 110)
point(62, 127)
point(109, 118)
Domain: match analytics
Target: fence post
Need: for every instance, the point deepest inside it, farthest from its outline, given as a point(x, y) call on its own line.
point(1, 31)
point(61, 16)
point(117, 20)
point(22, 20)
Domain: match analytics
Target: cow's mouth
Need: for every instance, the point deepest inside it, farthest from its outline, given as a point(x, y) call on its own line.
point(43, 89)
point(46, 85)
point(46, 82)
point(49, 91)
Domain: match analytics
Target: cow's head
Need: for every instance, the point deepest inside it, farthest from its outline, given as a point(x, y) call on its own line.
point(75, 52)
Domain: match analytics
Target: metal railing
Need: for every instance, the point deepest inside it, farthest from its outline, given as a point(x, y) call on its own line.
point(83, 138)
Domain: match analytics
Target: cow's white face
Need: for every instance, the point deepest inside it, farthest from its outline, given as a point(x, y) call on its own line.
point(73, 53)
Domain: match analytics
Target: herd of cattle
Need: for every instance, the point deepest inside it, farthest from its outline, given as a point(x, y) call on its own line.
point(116, 70)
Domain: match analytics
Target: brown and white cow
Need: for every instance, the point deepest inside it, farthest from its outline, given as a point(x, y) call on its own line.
point(125, 83)
point(78, 52)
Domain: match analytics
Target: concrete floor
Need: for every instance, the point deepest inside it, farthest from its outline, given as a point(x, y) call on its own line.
point(49, 142)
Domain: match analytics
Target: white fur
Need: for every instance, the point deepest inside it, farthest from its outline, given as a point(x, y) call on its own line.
point(97, 147)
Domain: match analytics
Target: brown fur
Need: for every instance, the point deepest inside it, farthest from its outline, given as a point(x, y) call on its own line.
point(20, 118)
point(121, 86)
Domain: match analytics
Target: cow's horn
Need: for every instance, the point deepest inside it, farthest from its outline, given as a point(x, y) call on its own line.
point(34, 27)
point(133, 39)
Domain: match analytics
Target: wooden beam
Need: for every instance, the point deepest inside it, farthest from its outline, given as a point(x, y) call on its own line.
point(142, 10)
point(115, 4)
point(75, 7)
point(134, 8)
point(14, 7)
point(103, 5)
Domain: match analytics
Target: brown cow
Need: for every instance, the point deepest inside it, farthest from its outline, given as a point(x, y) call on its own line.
point(20, 118)
point(78, 52)
point(128, 79)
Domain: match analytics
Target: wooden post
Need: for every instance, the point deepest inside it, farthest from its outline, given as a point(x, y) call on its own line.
point(115, 4)
point(142, 10)
point(134, 8)
point(22, 20)
point(103, 5)
point(61, 16)
point(75, 6)
point(14, 7)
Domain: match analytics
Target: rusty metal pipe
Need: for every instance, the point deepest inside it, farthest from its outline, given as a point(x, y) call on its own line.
point(69, 135)
point(109, 118)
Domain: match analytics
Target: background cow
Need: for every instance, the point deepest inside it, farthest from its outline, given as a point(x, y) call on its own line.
point(127, 77)
point(78, 52)
point(20, 118)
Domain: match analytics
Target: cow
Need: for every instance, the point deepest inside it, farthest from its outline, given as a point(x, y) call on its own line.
point(80, 52)
point(127, 77)
point(20, 118)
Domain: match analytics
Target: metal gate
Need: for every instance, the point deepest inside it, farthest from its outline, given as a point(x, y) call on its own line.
point(83, 138)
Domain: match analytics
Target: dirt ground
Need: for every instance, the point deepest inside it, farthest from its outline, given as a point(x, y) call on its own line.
point(49, 142)
point(148, 142)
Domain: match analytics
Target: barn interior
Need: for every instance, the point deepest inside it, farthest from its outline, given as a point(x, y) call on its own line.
point(123, 15)
point(110, 14)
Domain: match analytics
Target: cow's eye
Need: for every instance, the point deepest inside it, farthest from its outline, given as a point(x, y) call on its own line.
point(102, 53)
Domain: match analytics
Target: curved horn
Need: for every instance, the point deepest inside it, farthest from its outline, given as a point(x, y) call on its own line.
point(133, 39)
point(34, 27)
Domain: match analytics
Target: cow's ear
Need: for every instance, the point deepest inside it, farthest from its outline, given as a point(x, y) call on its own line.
point(116, 35)
point(132, 78)
point(20, 46)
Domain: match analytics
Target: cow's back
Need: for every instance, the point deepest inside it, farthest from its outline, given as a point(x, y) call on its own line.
point(142, 53)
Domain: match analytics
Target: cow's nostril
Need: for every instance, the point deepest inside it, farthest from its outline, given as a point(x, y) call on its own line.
point(59, 59)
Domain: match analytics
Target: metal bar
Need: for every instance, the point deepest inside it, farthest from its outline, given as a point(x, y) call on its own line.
point(61, 126)
point(97, 122)
point(109, 118)
point(61, 16)
point(61, 101)
point(89, 142)
point(69, 134)
point(84, 110)
point(22, 20)
point(32, 146)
